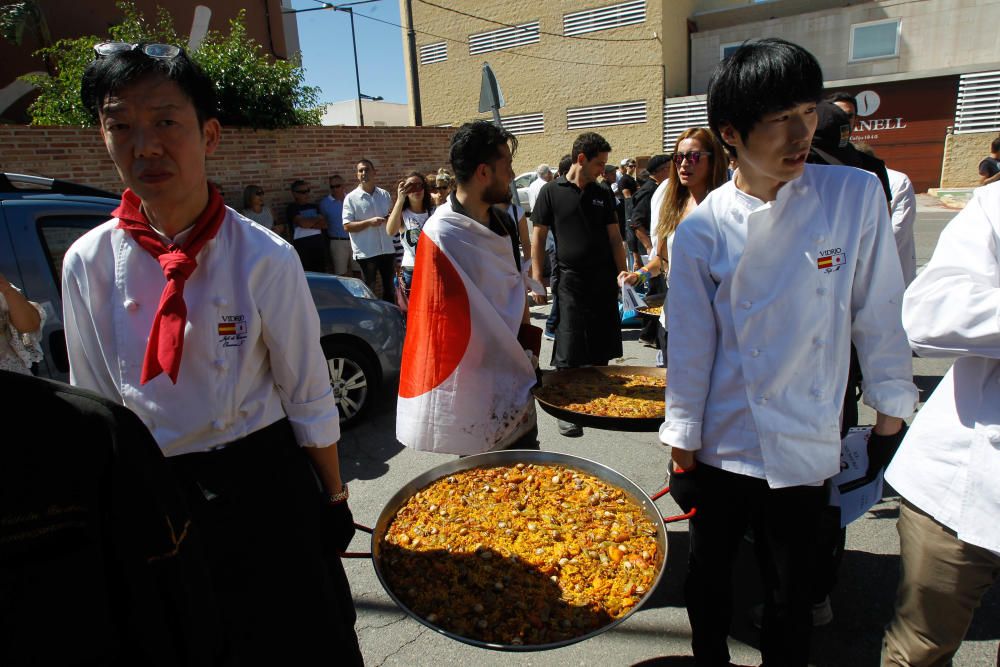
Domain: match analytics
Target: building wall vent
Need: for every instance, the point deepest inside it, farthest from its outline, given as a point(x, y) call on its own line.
point(679, 115)
point(604, 18)
point(433, 53)
point(978, 107)
point(505, 38)
point(529, 123)
point(621, 113)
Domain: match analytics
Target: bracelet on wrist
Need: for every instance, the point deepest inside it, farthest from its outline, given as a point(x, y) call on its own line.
point(339, 497)
point(643, 274)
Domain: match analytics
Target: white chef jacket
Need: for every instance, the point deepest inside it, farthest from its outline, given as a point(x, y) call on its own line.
point(251, 344)
point(764, 302)
point(949, 462)
point(360, 205)
point(904, 217)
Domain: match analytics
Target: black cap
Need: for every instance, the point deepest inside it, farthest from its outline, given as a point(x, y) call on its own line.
point(657, 162)
point(833, 127)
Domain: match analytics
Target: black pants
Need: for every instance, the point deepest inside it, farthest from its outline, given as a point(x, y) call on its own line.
point(284, 600)
point(313, 251)
point(784, 523)
point(553, 319)
point(383, 266)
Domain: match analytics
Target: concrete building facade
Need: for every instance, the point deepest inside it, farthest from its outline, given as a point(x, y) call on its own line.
point(567, 68)
point(924, 70)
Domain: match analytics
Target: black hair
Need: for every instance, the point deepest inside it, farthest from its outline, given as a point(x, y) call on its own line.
point(841, 96)
point(371, 165)
point(590, 144)
point(296, 183)
point(761, 77)
point(109, 75)
point(477, 143)
point(564, 164)
point(995, 146)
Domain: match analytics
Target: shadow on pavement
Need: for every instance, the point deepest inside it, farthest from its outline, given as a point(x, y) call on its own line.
point(366, 447)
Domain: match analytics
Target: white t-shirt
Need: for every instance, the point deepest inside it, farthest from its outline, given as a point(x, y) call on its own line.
point(413, 222)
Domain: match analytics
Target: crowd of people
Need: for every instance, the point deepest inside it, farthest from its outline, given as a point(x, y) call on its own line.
point(784, 252)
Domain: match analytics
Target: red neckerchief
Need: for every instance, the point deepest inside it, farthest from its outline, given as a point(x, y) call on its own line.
point(166, 337)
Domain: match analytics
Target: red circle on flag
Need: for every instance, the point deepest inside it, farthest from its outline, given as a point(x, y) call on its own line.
point(438, 323)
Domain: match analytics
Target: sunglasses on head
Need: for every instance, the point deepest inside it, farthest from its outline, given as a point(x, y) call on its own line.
point(159, 51)
point(694, 157)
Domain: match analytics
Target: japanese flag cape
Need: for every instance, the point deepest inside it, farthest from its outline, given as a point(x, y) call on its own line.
point(465, 382)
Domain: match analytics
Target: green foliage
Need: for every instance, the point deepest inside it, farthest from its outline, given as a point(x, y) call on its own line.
point(253, 90)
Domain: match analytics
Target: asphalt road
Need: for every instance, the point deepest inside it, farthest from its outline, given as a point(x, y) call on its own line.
point(377, 466)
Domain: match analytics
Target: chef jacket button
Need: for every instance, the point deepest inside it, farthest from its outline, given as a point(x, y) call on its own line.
point(817, 393)
point(131, 305)
point(819, 342)
point(755, 352)
point(820, 238)
point(218, 424)
point(220, 364)
point(821, 291)
point(746, 305)
point(220, 301)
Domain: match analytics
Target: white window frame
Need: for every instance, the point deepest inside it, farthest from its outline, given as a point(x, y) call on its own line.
point(723, 47)
point(895, 50)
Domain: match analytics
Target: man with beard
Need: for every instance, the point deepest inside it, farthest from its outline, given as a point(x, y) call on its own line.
point(589, 254)
point(470, 354)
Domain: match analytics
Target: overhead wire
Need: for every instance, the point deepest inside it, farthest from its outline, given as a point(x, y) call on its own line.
point(542, 32)
point(508, 51)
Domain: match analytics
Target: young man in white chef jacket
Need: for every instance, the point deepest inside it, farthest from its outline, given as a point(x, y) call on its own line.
point(947, 468)
point(773, 276)
point(200, 321)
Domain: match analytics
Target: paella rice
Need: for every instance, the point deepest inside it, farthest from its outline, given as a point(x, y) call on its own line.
point(524, 554)
point(602, 395)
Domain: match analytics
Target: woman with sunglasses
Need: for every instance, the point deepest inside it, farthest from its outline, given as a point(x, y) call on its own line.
point(697, 166)
point(444, 183)
point(254, 209)
point(409, 213)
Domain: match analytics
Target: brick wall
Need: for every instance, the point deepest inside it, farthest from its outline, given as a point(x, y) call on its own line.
point(962, 155)
point(271, 159)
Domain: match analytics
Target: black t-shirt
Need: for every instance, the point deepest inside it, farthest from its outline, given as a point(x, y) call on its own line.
point(642, 202)
point(579, 221)
point(500, 224)
point(627, 183)
point(989, 167)
point(293, 209)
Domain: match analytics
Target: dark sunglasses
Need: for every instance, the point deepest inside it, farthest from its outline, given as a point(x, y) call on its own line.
point(630, 164)
point(301, 192)
point(694, 157)
point(335, 186)
point(159, 51)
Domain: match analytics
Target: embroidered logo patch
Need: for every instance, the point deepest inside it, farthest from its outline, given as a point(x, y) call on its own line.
point(831, 260)
point(232, 330)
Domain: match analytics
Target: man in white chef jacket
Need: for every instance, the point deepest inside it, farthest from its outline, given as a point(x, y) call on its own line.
point(200, 321)
point(773, 276)
point(949, 463)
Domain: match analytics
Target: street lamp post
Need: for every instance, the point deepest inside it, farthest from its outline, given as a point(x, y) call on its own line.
point(354, 44)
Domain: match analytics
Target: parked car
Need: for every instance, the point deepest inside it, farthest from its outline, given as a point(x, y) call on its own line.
point(40, 218)
point(521, 182)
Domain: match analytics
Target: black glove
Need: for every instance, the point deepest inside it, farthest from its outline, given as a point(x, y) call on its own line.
point(338, 526)
point(684, 488)
point(881, 449)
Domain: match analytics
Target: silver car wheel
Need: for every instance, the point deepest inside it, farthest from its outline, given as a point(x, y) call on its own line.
point(350, 386)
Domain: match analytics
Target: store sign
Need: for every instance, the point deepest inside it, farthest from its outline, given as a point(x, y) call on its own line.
point(868, 104)
point(906, 122)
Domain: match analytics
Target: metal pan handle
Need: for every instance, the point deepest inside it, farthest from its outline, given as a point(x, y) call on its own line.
point(679, 517)
point(359, 554)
